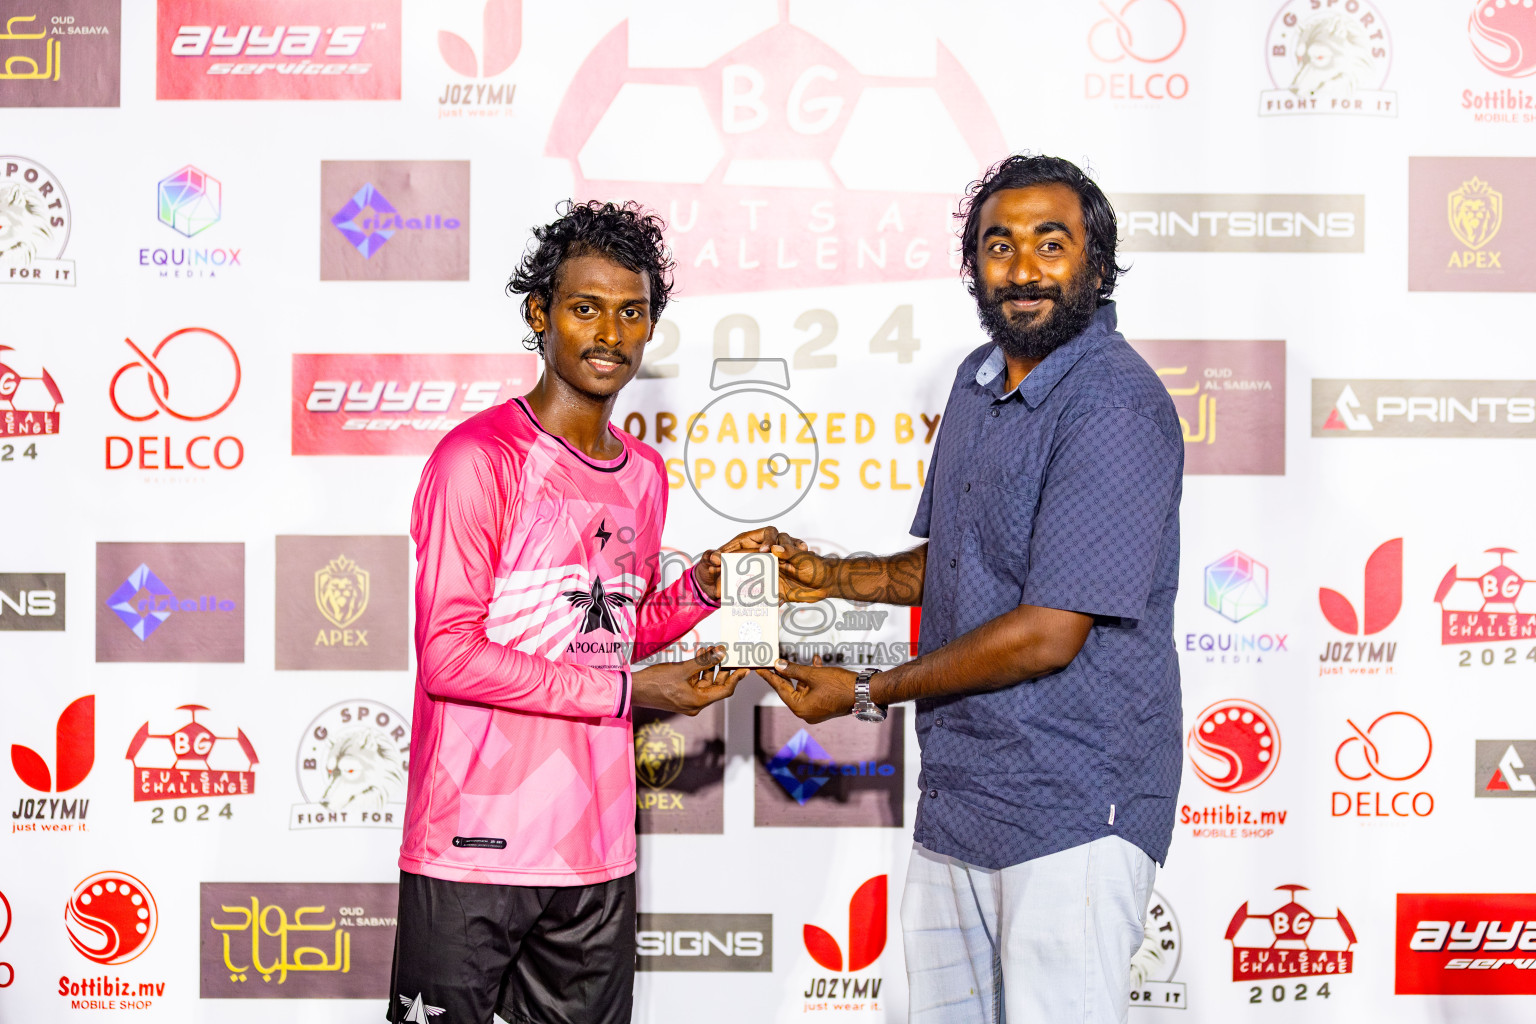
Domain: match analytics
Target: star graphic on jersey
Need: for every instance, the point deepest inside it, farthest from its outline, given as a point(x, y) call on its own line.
point(598, 604)
point(603, 533)
point(417, 1011)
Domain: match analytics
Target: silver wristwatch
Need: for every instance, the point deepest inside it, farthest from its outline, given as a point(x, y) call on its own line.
point(864, 709)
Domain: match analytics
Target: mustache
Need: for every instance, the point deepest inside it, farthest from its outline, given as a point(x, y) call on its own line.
point(608, 354)
point(1025, 293)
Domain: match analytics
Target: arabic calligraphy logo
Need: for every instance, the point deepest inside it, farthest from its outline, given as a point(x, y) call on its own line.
point(367, 234)
point(659, 754)
point(1205, 407)
point(190, 201)
point(341, 591)
point(1149, 31)
point(53, 53)
point(502, 36)
point(1504, 37)
point(204, 365)
point(1476, 212)
point(1397, 746)
point(111, 917)
point(1234, 746)
point(258, 921)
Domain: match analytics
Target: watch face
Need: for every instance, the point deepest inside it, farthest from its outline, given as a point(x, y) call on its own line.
point(869, 713)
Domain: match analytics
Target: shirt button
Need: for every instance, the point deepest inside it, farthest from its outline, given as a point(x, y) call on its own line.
point(994, 412)
point(933, 793)
point(951, 563)
point(967, 486)
point(940, 721)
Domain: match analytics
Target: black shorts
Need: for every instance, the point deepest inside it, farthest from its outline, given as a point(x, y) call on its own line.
point(530, 954)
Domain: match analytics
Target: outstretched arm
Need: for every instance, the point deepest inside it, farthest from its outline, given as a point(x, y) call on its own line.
point(1024, 643)
point(805, 576)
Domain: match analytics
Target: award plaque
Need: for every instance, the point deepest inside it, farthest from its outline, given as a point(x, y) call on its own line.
point(749, 609)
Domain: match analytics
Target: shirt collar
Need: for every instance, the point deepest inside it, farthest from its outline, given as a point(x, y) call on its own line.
point(992, 374)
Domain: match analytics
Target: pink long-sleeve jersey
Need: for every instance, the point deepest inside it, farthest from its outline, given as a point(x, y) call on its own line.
point(536, 584)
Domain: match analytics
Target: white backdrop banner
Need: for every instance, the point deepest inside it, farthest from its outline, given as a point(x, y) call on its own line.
point(252, 258)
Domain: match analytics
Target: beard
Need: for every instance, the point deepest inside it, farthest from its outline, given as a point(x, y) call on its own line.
point(1035, 335)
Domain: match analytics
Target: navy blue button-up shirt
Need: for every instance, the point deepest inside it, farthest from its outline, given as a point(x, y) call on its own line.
point(1063, 493)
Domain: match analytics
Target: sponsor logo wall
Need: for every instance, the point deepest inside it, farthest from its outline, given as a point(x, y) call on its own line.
point(244, 303)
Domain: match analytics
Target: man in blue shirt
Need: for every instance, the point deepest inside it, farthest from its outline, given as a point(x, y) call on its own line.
point(1046, 682)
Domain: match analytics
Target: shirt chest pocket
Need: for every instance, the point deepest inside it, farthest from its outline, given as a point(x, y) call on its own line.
point(1005, 518)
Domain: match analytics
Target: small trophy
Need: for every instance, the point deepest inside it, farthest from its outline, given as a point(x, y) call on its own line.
point(749, 609)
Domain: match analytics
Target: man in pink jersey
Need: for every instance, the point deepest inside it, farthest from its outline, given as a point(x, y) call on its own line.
point(538, 526)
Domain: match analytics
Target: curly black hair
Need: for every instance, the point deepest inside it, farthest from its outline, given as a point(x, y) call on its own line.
point(1023, 170)
point(625, 233)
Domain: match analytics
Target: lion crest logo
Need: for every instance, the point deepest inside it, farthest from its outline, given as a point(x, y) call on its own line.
point(341, 591)
point(659, 751)
point(1333, 57)
point(24, 227)
point(363, 770)
point(1475, 211)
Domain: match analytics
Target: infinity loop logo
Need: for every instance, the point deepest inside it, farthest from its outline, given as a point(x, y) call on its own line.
point(1149, 31)
point(1397, 746)
point(202, 364)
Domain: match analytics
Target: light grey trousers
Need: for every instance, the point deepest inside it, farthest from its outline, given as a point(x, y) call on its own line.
point(1048, 941)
